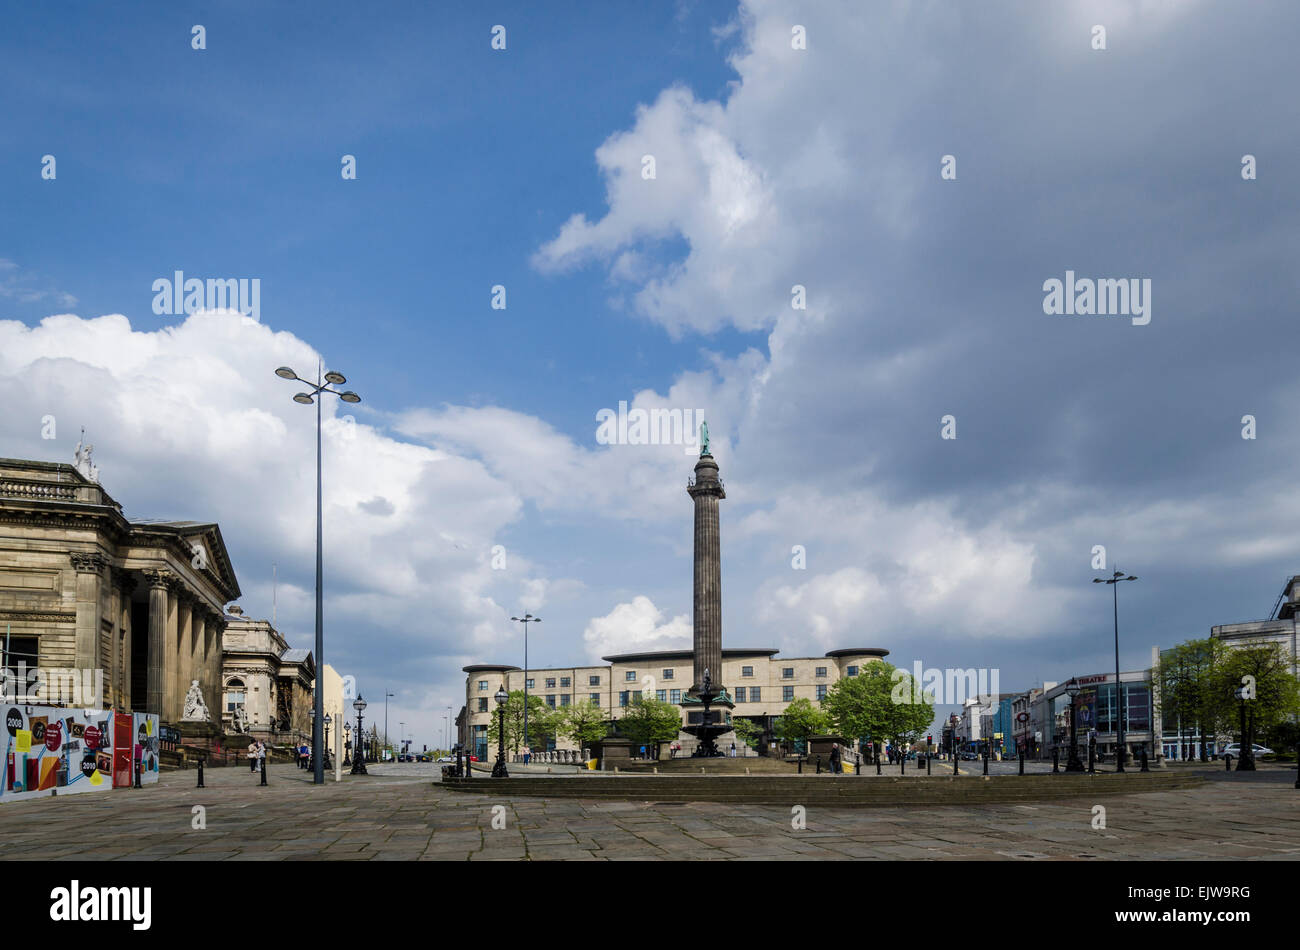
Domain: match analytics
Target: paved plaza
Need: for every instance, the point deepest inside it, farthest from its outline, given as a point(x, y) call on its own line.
point(400, 812)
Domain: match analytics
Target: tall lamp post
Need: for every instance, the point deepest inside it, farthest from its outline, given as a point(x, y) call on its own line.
point(1073, 764)
point(499, 770)
point(328, 720)
point(318, 714)
point(1114, 582)
point(358, 754)
point(1245, 761)
point(526, 619)
point(347, 744)
point(387, 694)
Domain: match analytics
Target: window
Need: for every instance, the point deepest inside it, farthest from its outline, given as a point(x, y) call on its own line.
point(851, 671)
point(564, 699)
point(821, 671)
point(787, 672)
point(550, 700)
point(668, 674)
point(630, 676)
point(482, 686)
point(482, 704)
point(754, 694)
point(234, 695)
point(550, 682)
point(21, 650)
point(787, 693)
point(675, 696)
point(661, 695)
point(746, 671)
point(530, 684)
point(593, 680)
point(564, 682)
point(821, 691)
point(595, 698)
point(622, 698)
point(740, 694)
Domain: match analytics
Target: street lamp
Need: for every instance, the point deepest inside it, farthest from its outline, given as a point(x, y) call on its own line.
point(386, 695)
point(1073, 764)
point(328, 720)
point(347, 744)
point(358, 755)
point(526, 619)
point(499, 770)
point(306, 399)
point(1114, 582)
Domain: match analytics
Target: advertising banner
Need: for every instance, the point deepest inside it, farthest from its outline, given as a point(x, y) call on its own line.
point(145, 752)
point(51, 750)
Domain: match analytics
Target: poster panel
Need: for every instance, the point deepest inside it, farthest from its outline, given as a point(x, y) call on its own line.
point(47, 751)
point(122, 745)
point(145, 751)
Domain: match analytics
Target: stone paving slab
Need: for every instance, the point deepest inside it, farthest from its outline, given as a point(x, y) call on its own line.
point(392, 817)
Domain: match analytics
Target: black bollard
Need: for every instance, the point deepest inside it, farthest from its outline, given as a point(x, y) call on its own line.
point(819, 765)
point(1022, 761)
point(1145, 767)
point(1297, 765)
point(1227, 763)
point(857, 765)
point(986, 763)
point(902, 763)
point(1092, 748)
point(955, 762)
point(1056, 759)
point(200, 785)
point(138, 763)
point(877, 758)
point(801, 765)
point(928, 759)
point(262, 763)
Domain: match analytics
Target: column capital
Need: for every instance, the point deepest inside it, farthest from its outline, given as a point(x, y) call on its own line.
point(88, 563)
point(125, 580)
point(159, 579)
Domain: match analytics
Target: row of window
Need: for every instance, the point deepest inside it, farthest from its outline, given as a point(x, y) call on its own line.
point(750, 694)
point(631, 676)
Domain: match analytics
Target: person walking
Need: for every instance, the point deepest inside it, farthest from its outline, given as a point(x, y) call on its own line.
point(261, 756)
point(528, 755)
point(733, 750)
point(252, 756)
point(836, 767)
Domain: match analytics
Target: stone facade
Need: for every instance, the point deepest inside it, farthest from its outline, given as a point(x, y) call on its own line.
point(83, 588)
point(669, 672)
point(272, 682)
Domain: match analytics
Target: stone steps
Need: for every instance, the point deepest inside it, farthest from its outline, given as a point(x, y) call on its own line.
point(827, 790)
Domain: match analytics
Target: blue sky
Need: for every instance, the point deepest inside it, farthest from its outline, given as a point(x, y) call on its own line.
point(776, 167)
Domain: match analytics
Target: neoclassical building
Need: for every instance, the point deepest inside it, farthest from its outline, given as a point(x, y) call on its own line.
point(760, 684)
point(266, 687)
point(84, 588)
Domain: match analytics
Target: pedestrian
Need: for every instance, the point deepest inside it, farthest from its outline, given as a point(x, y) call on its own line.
point(733, 750)
point(261, 755)
point(528, 755)
point(835, 758)
point(252, 756)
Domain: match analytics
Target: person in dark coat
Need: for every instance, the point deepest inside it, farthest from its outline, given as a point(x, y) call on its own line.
point(836, 759)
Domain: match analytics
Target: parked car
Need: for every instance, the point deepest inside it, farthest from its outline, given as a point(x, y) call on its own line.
point(423, 757)
point(1234, 749)
point(447, 758)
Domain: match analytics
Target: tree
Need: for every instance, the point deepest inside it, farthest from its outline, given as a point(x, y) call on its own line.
point(800, 720)
point(1264, 668)
point(583, 723)
point(1189, 686)
point(649, 721)
point(748, 731)
point(515, 721)
point(879, 704)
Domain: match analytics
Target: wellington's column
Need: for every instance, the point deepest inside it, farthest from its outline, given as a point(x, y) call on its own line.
point(705, 490)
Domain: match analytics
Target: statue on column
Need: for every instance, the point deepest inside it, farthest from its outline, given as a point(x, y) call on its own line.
point(196, 710)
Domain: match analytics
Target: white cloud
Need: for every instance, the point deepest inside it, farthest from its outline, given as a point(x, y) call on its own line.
point(634, 627)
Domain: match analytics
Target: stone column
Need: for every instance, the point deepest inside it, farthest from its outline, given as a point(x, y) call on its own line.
point(121, 700)
point(706, 490)
point(89, 567)
point(185, 610)
point(158, 653)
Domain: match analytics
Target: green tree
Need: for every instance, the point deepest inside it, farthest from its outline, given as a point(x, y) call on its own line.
point(514, 719)
point(649, 721)
point(1265, 668)
point(800, 720)
point(880, 703)
point(1188, 684)
point(748, 731)
point(583, 723)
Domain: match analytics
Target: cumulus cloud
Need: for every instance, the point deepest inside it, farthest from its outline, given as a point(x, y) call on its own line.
point(634, 627)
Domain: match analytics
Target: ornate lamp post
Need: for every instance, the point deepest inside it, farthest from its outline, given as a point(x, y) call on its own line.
point(1073, 764)
point(328, 720)
point(358, 756)
point(1245, 761)
point(337, 379)
point(347, 744)
point(1114, 582)
point(499, 770)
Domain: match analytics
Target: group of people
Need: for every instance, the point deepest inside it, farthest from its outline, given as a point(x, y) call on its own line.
point(256, 755)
